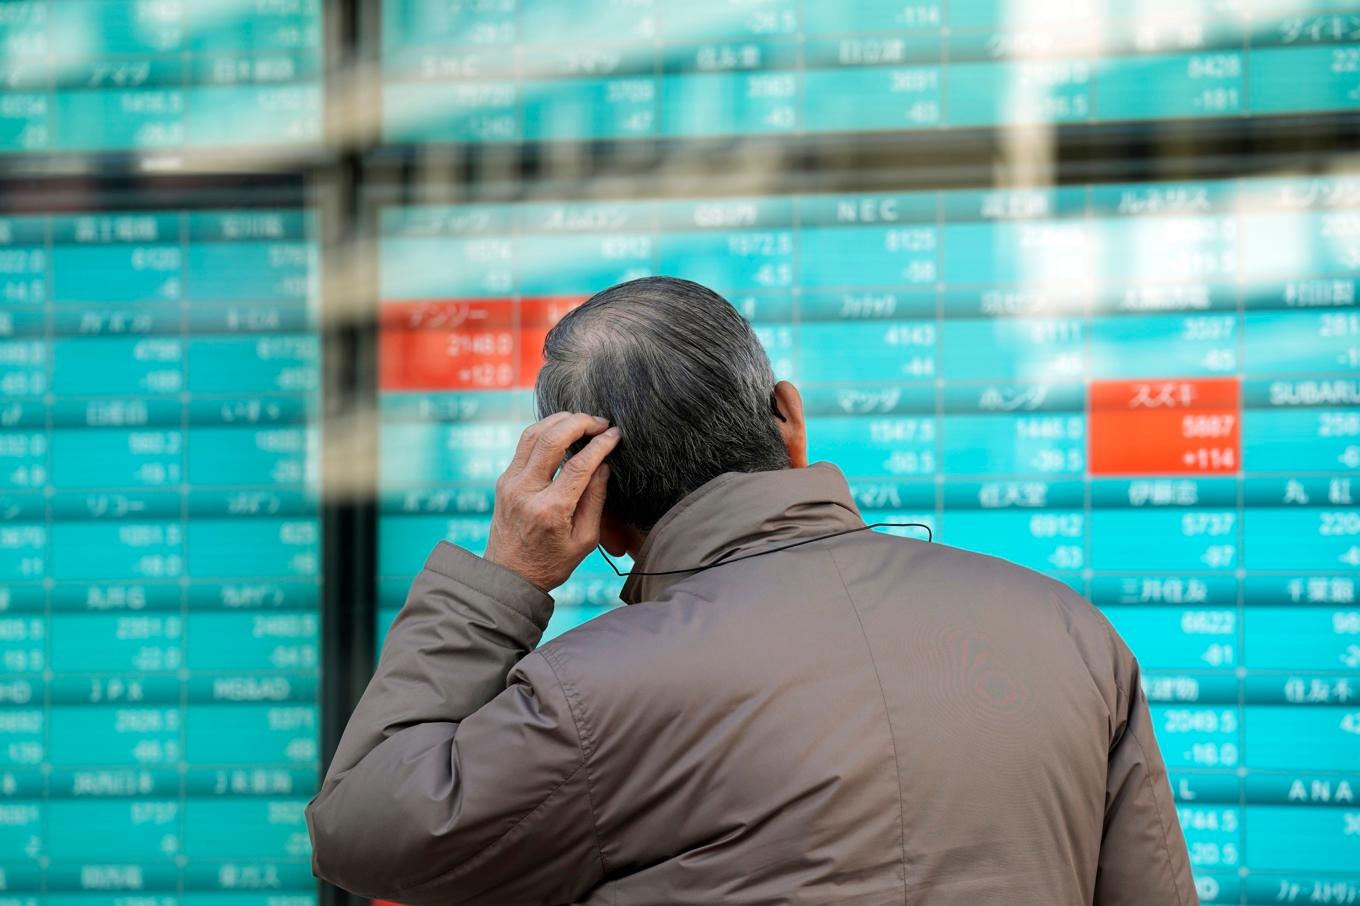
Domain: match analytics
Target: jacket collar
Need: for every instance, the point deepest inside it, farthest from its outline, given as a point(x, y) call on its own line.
point(738, 512)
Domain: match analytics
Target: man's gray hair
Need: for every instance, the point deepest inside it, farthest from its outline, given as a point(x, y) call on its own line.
point(684, 377)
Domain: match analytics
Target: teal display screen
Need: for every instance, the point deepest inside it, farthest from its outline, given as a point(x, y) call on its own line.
point(1150, 391)
point(1147, 389)
point(539, 70)
point(159, 75)
point(159, 556)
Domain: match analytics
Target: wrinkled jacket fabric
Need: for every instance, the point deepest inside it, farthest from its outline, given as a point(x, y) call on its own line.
point(861, 720)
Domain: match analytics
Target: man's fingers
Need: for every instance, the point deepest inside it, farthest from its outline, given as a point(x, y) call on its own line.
point(576, 472)
point(585, 525)
point(530, 437)
point(553, 442)
point(541, 528)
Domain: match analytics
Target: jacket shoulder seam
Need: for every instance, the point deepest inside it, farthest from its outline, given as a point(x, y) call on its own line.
point(1161, 819)
point(587, 749)
point(1112, 638)
point(887, 716)
point(1075, 607)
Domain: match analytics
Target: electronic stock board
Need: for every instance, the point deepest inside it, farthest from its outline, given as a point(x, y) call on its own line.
point(159, 554)
point(498, 71)
point(1150, 391)
point(160, 75)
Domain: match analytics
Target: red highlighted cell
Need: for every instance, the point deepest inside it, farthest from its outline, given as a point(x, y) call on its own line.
point(1165, 427)
point(447, 345)
point(465, 344)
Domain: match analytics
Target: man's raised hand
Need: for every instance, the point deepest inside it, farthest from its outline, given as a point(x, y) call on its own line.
point(543, 526)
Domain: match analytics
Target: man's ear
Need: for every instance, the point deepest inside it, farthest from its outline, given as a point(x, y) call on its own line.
point(616, 538)
point(792, 428)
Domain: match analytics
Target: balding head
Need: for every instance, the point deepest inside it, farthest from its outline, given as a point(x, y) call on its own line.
point(684, 377)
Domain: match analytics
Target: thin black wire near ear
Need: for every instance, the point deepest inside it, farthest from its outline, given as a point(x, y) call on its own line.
point(930, 538)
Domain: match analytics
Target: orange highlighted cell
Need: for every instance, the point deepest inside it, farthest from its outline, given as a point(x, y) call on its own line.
point(472, 344)
point(1170, 426)
point(448, 345)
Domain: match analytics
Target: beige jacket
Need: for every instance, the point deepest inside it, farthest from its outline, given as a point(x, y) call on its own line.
point(861, 720)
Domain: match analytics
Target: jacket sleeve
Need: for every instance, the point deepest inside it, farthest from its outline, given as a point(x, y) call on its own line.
point(1143, 860)
point(460, 777)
